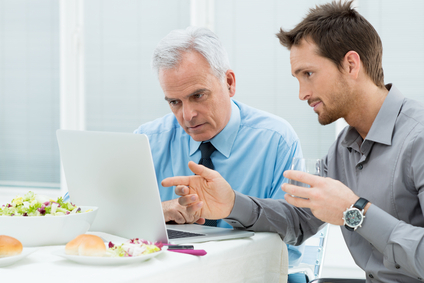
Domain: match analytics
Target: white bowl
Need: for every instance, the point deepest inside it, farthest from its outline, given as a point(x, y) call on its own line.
point(34, 231)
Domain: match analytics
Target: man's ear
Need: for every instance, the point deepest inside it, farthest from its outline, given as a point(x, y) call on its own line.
point(352, 64)
point(231, 82)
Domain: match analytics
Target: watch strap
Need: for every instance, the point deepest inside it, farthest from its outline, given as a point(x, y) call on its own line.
point(349, 228)
point(361, 203)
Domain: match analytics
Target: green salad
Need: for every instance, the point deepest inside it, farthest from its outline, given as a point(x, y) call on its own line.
point(133, 247)
point(37, 205)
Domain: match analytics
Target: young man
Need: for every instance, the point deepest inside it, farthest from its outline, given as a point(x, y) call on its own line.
point(375, 169)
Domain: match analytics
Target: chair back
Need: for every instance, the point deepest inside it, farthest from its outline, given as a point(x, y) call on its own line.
point(313, 255)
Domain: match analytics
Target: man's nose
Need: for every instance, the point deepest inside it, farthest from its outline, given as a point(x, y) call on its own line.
point(188, 112)
point(304, 93)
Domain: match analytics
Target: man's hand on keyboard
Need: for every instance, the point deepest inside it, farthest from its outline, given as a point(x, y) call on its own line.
point(173, 211)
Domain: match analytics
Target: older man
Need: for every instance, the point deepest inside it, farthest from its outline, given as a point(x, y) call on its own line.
point(376, 169)
point(249, 147)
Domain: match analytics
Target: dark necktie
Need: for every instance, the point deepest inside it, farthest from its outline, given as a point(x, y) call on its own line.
point(206, 148)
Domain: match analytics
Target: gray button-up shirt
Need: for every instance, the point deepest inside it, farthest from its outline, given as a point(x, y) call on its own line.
point(387, 168)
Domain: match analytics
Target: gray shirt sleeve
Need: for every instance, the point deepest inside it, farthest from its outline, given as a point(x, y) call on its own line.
point(401, 243)
point(293, 224)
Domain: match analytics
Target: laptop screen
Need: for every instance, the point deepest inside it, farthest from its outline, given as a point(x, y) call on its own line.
point(115, 172)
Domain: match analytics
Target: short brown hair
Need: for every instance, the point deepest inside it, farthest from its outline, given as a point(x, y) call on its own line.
point(336, 28)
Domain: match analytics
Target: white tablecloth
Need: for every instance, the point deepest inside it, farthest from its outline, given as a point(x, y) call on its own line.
point(261, 258)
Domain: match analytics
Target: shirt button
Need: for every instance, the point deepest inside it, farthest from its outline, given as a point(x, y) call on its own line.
point(397, 266)
point(360, 166)
point(370, 275)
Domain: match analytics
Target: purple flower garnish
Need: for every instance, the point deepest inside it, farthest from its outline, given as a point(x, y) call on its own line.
point(134, 241)
point(42, 210)
point(111, 245)
point(47, 203)
point(25, 214)
point(79, 209)
point(68, 213)
point(8, 205)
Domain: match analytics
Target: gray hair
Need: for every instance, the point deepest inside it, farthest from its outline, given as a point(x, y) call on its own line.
point(170, 49)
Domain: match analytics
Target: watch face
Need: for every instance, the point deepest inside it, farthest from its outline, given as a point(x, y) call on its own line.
point(353, 217)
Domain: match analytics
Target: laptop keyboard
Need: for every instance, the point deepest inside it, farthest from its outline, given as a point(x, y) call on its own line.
point(175, 234)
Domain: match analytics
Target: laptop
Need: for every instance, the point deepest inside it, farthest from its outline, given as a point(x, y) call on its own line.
point(115, 172)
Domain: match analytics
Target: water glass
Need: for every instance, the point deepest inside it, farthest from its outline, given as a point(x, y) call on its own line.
point(308, 165)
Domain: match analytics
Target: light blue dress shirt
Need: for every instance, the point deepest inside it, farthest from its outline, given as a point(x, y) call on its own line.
point(252, 152)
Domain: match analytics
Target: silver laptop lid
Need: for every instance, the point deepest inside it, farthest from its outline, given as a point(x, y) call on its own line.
point(101, 170)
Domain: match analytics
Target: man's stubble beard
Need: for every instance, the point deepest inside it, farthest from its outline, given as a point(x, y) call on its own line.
point(341, 100)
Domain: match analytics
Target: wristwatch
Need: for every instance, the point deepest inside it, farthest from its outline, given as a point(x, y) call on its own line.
point(354, 215)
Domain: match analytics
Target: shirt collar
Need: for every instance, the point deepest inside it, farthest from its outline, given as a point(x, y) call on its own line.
point(383, 126)
point(224, 140)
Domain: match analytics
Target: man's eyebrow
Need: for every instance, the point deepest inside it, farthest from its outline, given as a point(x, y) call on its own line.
point(298, 71)
point(197, 91)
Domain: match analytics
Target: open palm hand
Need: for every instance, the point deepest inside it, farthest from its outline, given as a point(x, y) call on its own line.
point(206, 194)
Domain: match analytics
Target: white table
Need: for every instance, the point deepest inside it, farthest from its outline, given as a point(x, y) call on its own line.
point(261, 258)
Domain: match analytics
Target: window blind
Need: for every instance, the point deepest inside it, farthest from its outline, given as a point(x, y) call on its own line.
point(29, 93)
point(122, 92)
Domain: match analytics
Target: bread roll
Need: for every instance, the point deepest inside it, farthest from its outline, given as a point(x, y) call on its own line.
point(86, 245)
point(9, 246)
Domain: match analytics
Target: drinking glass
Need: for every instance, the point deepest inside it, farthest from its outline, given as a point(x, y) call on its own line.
point(308, 165)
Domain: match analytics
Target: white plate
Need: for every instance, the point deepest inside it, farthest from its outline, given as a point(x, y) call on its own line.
point(5, 261)
point(94, 260)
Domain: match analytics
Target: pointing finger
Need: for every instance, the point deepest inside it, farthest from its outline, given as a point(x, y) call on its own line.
point(175, 181)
